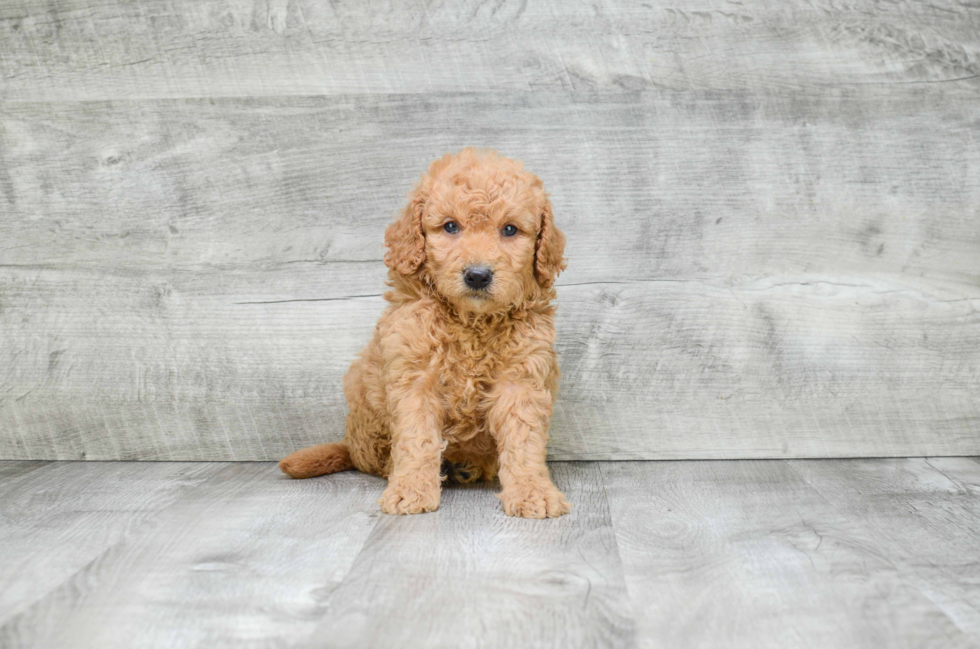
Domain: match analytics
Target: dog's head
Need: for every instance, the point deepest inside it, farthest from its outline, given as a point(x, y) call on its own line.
point(479, 229)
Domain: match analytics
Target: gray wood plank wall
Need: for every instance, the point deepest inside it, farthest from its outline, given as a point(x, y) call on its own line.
point(773, 215)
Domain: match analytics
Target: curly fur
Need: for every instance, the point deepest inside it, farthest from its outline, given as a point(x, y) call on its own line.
point(459, 383)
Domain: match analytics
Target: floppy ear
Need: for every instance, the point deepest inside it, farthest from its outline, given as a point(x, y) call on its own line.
point(404, 239)
point(548, 260)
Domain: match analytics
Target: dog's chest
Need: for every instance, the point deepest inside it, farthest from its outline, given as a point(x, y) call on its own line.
point(469, 367)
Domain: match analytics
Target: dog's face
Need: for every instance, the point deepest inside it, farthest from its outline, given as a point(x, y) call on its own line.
point(480, 240)
point(479, 229)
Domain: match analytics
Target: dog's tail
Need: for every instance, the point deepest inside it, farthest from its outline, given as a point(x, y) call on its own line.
point(317, 460)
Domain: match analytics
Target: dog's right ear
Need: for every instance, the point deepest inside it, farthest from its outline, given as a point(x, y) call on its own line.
point(404, 238)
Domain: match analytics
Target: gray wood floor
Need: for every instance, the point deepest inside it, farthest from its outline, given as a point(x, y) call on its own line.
point(818, 553)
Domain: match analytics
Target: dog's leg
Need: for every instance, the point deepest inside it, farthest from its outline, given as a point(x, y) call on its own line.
point(414, 483)
point(519, 420)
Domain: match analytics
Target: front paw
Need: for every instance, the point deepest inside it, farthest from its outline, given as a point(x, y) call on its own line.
point(534, 501)
point(404, 497)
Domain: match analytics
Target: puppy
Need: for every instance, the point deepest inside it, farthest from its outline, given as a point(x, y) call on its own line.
point(461, 374)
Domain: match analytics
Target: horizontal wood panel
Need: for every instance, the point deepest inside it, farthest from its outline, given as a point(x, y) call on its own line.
point(797, 366)
point(752, 274)
point(650, 185)
point(81, 50)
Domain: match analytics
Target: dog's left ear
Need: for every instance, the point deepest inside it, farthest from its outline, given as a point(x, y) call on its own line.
point(548, 259)
point(404, 238)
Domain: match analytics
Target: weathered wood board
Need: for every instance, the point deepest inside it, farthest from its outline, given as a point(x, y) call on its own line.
point(80, 510)
point(924, 514)
point(246, 559)
point(753, 554)
point(761, 559)
point(778, 260)
point(81, 50)
point(551, 583)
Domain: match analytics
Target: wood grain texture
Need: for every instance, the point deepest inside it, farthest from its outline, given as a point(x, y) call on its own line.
point(755, 275)
point(57, 519)
point(250, 558)
point(647, 185)
point(469, 576)
point(924, 513)
point(11, 470)
point(747, 554)
point(712, 371)
point(84, 50)
point(818, 553)
point(246, 559)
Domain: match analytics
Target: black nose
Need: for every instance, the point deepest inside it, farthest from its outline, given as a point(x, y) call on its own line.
point(478, 277)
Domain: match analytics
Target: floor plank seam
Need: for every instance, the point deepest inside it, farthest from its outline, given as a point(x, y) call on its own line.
point(619, 555)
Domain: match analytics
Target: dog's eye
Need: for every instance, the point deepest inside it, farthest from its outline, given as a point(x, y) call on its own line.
point(451, 227)
point(509, 230)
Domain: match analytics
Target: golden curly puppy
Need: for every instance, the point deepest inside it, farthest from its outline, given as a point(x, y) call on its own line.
point(461, 373)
